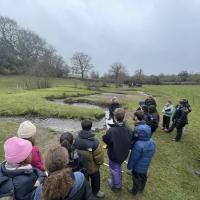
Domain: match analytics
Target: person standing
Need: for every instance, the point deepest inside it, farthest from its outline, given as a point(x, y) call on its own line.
point(118, 141)
point(141, 155)
point(90, 148)
point(179, 120)
point(167, 112)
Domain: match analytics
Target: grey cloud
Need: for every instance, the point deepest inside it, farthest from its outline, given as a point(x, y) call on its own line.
point(157, 36)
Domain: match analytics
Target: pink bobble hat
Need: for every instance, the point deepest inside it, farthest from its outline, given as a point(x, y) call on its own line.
point(17, 150)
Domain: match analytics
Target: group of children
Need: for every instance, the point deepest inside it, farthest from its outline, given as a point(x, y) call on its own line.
point(69, 166)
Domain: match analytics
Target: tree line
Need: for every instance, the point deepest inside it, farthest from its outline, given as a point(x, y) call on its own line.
point(24, 52)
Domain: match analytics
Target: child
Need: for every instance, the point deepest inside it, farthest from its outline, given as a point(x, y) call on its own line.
point(17, 177)
point(154, 118)
point(167, 113)
point(89, 147)
point(61, 183)
point(179, 119)
point(76, 161)
point(141, 155)
point(118, 141)
point(114, 105)
point(27, 131)
point(150, 101)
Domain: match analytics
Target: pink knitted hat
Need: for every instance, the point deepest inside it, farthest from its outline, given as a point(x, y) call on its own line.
point(17, 150)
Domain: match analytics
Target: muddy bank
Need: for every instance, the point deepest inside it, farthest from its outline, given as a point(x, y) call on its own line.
point(56, 124)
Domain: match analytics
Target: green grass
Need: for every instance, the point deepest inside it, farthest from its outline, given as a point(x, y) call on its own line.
point(15, 101)
point(170, 176)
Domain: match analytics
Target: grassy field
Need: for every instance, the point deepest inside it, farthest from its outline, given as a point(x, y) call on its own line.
point(171, 175)
point(16, 101)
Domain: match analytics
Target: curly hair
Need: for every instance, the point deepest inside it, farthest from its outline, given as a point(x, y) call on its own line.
point(57, 185)
point(59, 182)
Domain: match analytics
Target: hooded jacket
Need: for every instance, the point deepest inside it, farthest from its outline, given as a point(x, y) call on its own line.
point(118, 140)
point(180, 116)
point(89, 147)
point(19, 183)
point(142, 151)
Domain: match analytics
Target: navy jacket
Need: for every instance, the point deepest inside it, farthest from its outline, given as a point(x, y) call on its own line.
point(85, 141)
point(142, 151)
point(180, 116)
point(153, 121)
point(112, 108)
point(118, 140)
point(19, 183)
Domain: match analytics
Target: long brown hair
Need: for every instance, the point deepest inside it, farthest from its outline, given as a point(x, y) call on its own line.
point(59, 182)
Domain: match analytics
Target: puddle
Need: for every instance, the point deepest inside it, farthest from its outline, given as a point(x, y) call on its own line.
point(56, 124)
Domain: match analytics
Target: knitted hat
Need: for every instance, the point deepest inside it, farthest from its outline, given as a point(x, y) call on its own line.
point(26, 130)
point(17, 150)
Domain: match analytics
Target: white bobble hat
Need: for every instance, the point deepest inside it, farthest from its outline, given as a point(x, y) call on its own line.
point(26, 130)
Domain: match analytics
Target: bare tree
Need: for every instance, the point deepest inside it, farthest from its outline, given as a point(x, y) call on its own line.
point(94, 75)
point(81, 63)
point(183, 75)
point(118, 71)
point(8, 39)
point(139, 76)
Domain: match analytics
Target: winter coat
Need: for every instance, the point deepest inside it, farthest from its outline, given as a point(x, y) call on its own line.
point(112, 108)
point(168, 110)
point(118, 140)
point(81, 189)
point(19, 183)
point(76, 162)
point(37, 160)
point(89, 147)
point(142, 151)
point(135, 134)
point(180, 116)
point(153, 121)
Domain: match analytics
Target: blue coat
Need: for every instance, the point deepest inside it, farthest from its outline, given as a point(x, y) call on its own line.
point(142, 151)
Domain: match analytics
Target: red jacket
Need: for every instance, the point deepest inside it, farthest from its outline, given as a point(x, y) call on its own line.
point(37, 160)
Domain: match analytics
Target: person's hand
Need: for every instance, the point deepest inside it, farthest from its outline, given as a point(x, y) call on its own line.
point(37, 183)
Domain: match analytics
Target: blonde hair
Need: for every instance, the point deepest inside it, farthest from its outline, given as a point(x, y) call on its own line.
point(115, 100)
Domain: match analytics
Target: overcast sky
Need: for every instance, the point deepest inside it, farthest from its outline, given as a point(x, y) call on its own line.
point(159, 36)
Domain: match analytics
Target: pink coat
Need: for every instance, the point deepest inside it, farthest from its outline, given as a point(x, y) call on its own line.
point(37, 160)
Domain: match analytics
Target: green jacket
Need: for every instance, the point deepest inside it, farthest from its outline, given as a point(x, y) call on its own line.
point(93, 159)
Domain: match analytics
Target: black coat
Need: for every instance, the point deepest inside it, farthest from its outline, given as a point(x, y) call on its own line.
point(112, 108)
point(85, 141)
point(118, 140)
point(180, 116)
point(153, 121)
point(19, 183)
